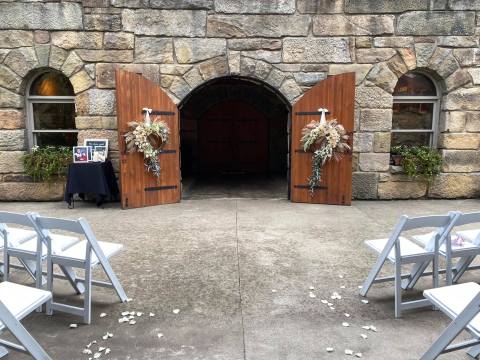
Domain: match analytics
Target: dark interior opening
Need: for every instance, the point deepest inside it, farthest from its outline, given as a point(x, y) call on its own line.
point(234, 140)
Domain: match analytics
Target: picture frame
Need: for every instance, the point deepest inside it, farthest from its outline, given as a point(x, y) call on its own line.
point(94, 143)
point(80, 154)
point(99, 154)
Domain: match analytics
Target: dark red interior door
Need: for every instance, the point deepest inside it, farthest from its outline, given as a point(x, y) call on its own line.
point(233, 138)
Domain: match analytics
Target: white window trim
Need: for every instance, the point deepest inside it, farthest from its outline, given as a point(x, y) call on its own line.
point(36, 99)
point(435, 100)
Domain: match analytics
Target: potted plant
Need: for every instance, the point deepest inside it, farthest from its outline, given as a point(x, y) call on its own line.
point(47, 163)
point(421, 161)
point(396, 154)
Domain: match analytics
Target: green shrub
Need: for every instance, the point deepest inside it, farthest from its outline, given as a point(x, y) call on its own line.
point(421, 161)
point(397, 149)
point(47, 163)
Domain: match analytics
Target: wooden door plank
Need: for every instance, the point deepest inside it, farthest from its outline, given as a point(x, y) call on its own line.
point(140, 188)
point(337, 94)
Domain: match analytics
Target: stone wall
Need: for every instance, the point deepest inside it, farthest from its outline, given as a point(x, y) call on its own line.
point(289, 44)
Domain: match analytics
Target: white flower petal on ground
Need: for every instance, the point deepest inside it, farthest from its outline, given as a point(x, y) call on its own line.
point(324, 301)
point(348, 352)
point(176, 311)
point(312, 295)
point(107, 351)
point(105, 337)
point(87, 352)
point(274, 291)
point(330, 349)
point(373, 328)
point(101, 348)
point(358, 355)
point(125, 313)
point(159, 335)
point(102, 315)
point(340, 276)
point(73, 326)
point(132, 322)
point(332, 308)
point(347, 315)
point(366, 327)
point(343, 287)
point(311, 288)
point(151, 314)
point(97, 355)
point(139, 313)
point(345, 324)
point(365, 301)
point(364, 336)
point(128, 300)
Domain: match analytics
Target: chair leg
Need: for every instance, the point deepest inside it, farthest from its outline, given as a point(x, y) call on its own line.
point(114, 281)
point(87, 300)
point(398, 289)
point(72, 279)
point(462, 266)
point(415, 274)
point(474, 351)
point(372, 275)
point(49, 310)
point(6, 267)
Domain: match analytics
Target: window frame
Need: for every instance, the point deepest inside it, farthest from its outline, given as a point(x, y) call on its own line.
point(412, 99)
point(38, 99)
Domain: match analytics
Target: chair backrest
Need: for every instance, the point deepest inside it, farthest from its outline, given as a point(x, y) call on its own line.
point(13, 218)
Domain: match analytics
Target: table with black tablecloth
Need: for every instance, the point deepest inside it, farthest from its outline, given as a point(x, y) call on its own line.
point(96, 178)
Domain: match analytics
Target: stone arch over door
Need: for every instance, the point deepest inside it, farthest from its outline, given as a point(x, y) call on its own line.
point(372, 177)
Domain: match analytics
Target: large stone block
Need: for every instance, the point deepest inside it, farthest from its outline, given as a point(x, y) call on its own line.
point(467, 57)
point(461, 161)
point(309, 78)
point(106, 55)
point(76, 39)
point(72, 64)
point(374, 161)
point(184, 4)
point(360, 70)
point(375, 120)
point(458, 79)
point(8, 79)
point(320, 6)
point(111, 135)
point(11, 119)
point(96, 102)
point(364, 185)
point(451, 186)
point(15, 38)
point(402, 190)
point(213, 68)
point(130, 3)
point(118, 40)
point(12, 140)
point(179, 87)
point(57, 57)
point(473, 122)
point(9, 99)
point(255, 6)
point(43, 54)
point(22, 60)
point(459, 141)
point(189, 50)
point(103, 22)
point(393, 42)
point(11, 162)
point(475, 74)
point(383, 77)
point(363, 142)
point(105, 78)
point(464, 4)
point(291, 90)
point(453, 121)
point(41, 16)
point(81, 81)
point(463, 99)
point(382, 142)
point(185, 23)
point(373, 97)
point(443, 62)
point(254, 44)
point(257, 25)
point(310, 50)
point(384, 6)
point(29, 191)
point(96, 122)
point(436, 23)
point(373, 56)
point(458, 41)
point(424, 52)
point(150, 49)
point(341, 25)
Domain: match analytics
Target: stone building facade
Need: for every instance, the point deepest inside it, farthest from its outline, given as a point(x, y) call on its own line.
point(288, 44)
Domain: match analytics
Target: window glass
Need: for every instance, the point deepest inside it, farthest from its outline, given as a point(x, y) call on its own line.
point(56, 139)
point(411, 139)
point(53, 116)
point(412, 116)
point(414, 84)
point(51, 84)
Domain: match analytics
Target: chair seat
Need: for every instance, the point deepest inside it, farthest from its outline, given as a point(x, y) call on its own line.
point(470, 235)
point(424, 240)
point(21, 300)
point(17, 236)
point(407, 248)
point(452, 300)
point(78, 251)
point(60, 243)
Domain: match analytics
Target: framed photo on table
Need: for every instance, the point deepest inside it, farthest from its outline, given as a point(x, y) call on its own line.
point(80, 154)
point(93, 143)
point(99, 154)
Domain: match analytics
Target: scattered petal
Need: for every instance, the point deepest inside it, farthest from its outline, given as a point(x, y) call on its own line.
point(311, 288)
point(139, 314)
point(101, 348)
point(358, 355)
point(151, 314)
point(330, 349)
point(128, 300)
point(107, 351)
point(97, 355)
point(312, 295)
point(329, 304)
point(347, 315)
point(102, 315)
point(73, 326)
point(365, 301)
point(274, 291)
point(343, 287)
point(176, 311)
point(332, 308)
point(345, 324)
point(132, 322)
point(87, 351)
point(160, 335)
point(340, 276)
point(125, 313)
point(324, 301)
point(364, 336)
point(348, 352)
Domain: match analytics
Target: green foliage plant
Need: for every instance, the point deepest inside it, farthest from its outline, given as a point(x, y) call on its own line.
point(48, 163)
point(421, 161)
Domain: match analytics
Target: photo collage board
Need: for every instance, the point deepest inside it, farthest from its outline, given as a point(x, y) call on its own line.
point(93, 150)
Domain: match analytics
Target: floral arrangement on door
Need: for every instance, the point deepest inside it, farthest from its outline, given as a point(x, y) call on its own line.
point(148, 138)
point(327, 140)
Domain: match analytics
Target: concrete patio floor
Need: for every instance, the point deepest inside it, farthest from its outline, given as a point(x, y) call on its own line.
point(240, 270)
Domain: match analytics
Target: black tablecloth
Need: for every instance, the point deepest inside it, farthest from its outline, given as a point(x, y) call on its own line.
point(92, 178)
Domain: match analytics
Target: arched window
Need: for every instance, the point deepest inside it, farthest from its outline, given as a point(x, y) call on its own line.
point(51, 110)
point(415, 111)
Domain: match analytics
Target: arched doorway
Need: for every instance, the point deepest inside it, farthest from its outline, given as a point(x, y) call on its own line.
point(234, 135)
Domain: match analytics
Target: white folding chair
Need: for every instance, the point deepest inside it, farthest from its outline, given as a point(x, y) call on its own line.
point(85, 255)
point(28, 247)
point(400, 250)
point(462, 304)
point(16, 302)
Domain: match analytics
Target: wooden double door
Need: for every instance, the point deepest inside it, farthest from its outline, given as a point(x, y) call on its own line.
point(236, 145)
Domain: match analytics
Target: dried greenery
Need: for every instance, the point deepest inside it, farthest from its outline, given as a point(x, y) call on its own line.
point(149, 139)
point(421, 161)
point(327, 140)
point(47, 163)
